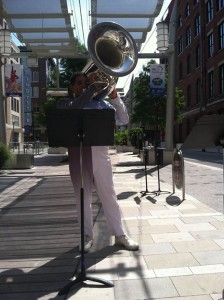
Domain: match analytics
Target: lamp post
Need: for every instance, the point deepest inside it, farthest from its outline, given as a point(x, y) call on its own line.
point(171, 81)
point(162, 37)
point(5, 50)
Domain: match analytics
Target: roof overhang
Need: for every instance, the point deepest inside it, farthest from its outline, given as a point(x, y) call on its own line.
point(43, 26)
point(137, 17)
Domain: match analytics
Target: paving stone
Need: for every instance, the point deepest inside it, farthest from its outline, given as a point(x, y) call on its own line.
point(191, 246)
point(209, 257)
point(159, 229)
point(172, 237)
point(144, 289)
point(199, 284)
point(219, 268)
point(151, 249)
point(172, 272)
point(173, 260)
point(220, 242)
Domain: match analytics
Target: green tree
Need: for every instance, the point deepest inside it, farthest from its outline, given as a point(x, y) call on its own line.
point(5, 156)
point(150, 111)
point(67, 66)
point(40, 118)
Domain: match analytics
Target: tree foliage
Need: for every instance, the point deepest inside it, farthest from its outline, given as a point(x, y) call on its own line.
point(150, 111)
point(67, 66)
point(40, 118)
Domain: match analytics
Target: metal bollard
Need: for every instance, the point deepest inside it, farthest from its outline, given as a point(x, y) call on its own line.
point(178, 172)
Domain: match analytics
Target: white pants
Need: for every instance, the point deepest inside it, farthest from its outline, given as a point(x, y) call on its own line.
point(96, 167)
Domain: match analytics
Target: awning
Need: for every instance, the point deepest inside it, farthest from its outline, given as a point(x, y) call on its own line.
point(43, 26)
point(137, 17)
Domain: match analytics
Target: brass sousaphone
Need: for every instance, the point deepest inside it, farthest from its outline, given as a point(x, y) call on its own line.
point(113, 52)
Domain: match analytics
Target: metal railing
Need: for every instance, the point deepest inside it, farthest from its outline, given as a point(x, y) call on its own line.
point(35, 148)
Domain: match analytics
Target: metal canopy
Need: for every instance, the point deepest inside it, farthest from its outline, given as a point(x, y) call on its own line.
point(135, 16)
point(43, 26)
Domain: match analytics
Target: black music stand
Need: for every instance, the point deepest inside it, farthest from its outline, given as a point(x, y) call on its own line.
point(146, 181)
point(158, 156)
point(81, 127)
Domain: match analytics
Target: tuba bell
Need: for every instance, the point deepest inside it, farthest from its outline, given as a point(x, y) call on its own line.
point(113, 53)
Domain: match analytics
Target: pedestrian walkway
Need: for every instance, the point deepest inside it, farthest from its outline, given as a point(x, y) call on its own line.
point(181, 252)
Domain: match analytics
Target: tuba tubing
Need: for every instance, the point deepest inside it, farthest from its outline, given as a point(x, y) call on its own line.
point(113, 51)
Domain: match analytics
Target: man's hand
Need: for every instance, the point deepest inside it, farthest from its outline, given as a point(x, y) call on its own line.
point(113, 94)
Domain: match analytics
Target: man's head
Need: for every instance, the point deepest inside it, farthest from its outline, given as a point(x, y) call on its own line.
point(78, 83)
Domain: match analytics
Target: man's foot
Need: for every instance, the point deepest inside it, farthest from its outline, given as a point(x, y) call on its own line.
point(126, 242)
point(88, 242)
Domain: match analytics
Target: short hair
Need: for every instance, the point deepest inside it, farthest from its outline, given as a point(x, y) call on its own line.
point(75, 75)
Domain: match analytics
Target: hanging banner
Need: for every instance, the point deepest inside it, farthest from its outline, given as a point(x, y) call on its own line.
point(157, 80)
point(27, 94)
point(13, 80)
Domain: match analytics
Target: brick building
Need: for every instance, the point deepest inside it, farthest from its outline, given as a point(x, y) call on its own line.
point(199, 60)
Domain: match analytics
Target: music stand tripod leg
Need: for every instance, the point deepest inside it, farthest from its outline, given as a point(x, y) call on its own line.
point(146, 192)
point(81, 276)
point(158, 192)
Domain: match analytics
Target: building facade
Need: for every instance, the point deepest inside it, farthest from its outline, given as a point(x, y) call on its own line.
point(199, 51)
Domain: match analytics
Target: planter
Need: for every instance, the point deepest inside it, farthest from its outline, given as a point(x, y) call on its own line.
point(58, 150)
point(135, 150)
point(124, 148)
point(21, 161)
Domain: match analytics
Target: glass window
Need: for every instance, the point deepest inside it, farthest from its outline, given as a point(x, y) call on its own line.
point(220, 4)
point(188, 36)
point(35, 92)
point(197, 56)
point(210, 44)
point(180, 71)
point(188, 64)
point(221, 35)
point(180, 45)
point(189, 95)
point(221, 79)
point(179, 21)
point(211, 84)
point(197, 25)
point(198, 91)
point(36, 76)
point(209, 10)
point(187, 10)
point(15, 120)
point(14, 104)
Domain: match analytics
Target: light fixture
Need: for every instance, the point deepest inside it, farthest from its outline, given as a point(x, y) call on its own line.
point(5, 42)
point(162, 36)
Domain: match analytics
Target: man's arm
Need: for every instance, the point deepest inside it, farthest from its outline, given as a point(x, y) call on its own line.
point(120, 108)
point(79, 102)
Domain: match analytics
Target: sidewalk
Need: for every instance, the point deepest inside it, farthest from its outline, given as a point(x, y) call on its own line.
point(181, 252)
